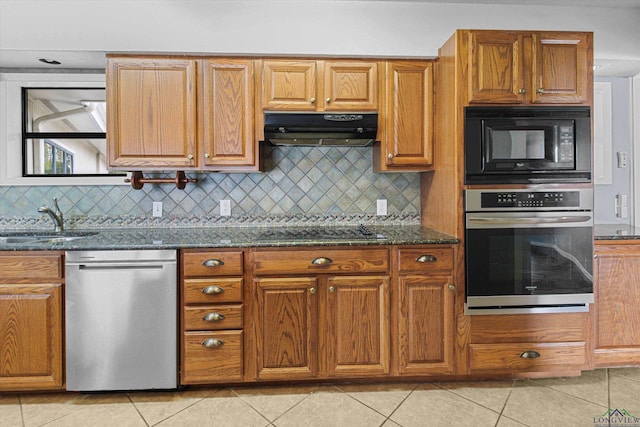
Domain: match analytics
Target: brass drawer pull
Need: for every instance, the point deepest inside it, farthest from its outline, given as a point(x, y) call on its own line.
point(213, 317)
point(213, 263)
point(322, 261)
point(530, 354)
point(426, 258)
point(212, 343)
point(212, 290)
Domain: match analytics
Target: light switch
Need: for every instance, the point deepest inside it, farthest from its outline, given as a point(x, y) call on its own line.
point(225, 207)
point(157, 209)
point(381, 207)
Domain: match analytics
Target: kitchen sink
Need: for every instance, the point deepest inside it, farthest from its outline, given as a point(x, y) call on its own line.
point(16, 238)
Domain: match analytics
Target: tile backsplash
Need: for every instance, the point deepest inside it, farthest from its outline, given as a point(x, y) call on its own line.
point(309, 182)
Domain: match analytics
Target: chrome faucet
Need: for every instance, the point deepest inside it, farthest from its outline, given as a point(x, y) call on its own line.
point(58, 220)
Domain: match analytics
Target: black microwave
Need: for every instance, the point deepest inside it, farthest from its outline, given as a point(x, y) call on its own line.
point(527, 145)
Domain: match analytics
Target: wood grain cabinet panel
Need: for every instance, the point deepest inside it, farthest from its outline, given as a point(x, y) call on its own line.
point(31, 321)
point(151, 113)
point(617, 303)
point(406, 127)
point(357, 322)
point(212, 357)
point(523, 67)
point(309, 85)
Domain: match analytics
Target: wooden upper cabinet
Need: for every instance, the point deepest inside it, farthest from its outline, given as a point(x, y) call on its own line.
point(496, 72)
point(227, 114)
point(562, 67)
point(406, 128)
point(308, 85)
point(522, 67)
point(151, 113)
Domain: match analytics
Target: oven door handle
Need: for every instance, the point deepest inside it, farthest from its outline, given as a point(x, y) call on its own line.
point(531, 220)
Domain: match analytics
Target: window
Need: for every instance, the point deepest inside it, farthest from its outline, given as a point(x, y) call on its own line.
point(66, 110)
point(64, 132)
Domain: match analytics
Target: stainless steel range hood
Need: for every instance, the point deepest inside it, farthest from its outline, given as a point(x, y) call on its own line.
point(321, 129)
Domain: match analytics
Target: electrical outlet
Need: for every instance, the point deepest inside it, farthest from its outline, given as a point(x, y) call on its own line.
point(381, 207)
point(157, 209)
point(623, 159)
point(225, 207)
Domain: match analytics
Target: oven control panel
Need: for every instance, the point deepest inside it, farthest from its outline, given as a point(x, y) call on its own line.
point(530, 199)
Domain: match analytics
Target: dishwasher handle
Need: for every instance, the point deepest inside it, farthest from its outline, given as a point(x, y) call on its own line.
point(119, 266)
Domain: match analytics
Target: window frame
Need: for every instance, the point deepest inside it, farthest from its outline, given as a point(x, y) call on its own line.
point(11, 146)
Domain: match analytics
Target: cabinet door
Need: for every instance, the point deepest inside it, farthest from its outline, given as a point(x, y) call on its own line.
point(561, 67)
point(350, 86)
point(357, 326)
point(286, 328)
point(496, 67)
point(426, 324)
point(31, 336)
point(289, 85)
point(152, 113)
point(227, 114)
point(407, 142)
point(617, 304)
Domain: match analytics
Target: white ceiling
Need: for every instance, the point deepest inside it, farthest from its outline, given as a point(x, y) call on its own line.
point(84, 49)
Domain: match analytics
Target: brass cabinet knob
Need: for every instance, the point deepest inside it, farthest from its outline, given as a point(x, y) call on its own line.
point(213, 263)
point(328, 100)
point(452, 288)
point(312, 100)
point(212, 343)
point(389, 156)
point(332, 289)
point(530, 354)
point(213, 317)
point(540, 91)
point(321, 261)
point(426, 258)
point(312, 291)
point(522, 91)
point(190, 157)
point(212, 290)
point(206, 155)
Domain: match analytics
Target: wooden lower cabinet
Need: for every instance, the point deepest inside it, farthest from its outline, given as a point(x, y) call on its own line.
point(325, 324)
point(31, 301)
point(617, 303)
point(425, 304)
point(529, 344)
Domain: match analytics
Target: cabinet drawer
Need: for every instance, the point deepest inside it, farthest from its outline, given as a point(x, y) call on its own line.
point(316, 261)
point(430, 259)
point(507, 357)
point(511, 328)
point(212, 291)
point(213, 317)
point(220, 362)
point(31, 265)
point(211, 263)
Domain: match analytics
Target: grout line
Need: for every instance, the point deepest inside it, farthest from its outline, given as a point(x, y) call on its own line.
point(513, 384)
point(144, 420)
point(185, 408)
point(235, 393)
point(21, 411)
point(400, 404)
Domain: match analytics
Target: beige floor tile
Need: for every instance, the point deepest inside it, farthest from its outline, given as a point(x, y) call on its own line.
point(490, 394)
point(272, 402)
point(328, 409)
point(632, 373)
point(384, 398)
point(432, 406)
point(160, 405)
point(591, 386)
point(508, 422)
point(624, 393)
point(10, 414)
point(38, 409)
point(102, 411)
point(541, 406)
point(222, 409)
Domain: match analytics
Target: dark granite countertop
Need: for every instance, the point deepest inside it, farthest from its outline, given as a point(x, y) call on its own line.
point(615, 232)
point(228, 237)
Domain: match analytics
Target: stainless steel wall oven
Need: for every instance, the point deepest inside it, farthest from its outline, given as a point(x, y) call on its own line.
point(528, 251)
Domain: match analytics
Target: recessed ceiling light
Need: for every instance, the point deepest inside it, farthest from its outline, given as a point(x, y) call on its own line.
point(49, 61)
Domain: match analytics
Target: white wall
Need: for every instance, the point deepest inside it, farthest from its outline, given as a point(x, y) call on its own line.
point(292, 27)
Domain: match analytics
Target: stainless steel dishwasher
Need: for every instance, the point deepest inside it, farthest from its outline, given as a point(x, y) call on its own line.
point(121, 320)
